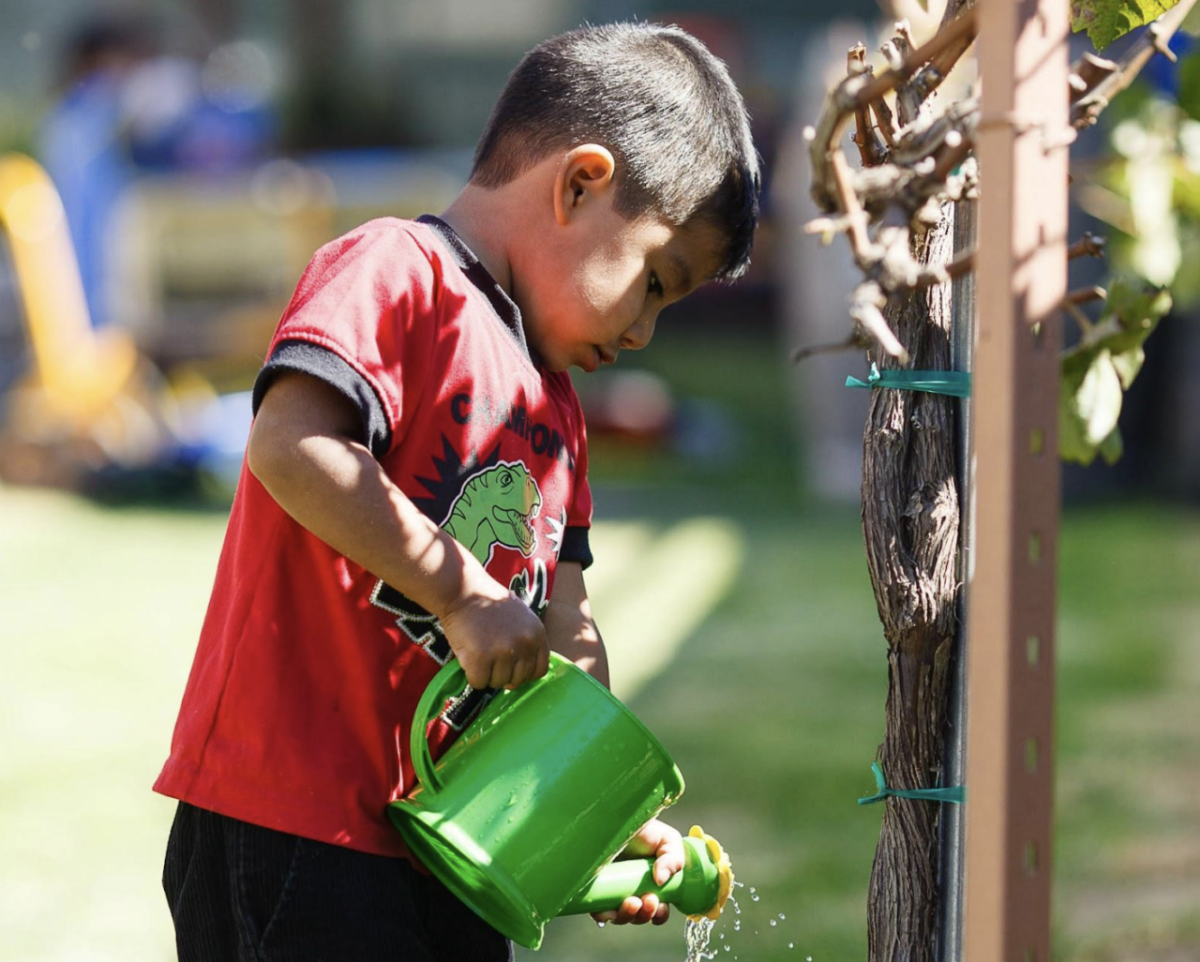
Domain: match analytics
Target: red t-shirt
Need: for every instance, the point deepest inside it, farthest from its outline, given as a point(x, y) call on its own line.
point(298, 709)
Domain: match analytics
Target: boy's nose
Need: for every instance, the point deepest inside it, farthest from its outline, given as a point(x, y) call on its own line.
point(639, 334)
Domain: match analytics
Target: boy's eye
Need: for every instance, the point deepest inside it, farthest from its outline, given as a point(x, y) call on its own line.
point(656, 287)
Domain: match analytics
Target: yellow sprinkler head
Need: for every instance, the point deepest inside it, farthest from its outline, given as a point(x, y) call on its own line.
point(724, 872)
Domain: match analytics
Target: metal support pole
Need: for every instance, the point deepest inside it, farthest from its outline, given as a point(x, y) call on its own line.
point(1010, 663)
point(952, 823)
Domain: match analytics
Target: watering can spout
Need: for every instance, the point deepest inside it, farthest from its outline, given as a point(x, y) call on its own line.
point(699, 890)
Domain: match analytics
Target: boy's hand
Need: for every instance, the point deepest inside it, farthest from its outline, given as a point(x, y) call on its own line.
point(497, 639)
point(665, 843)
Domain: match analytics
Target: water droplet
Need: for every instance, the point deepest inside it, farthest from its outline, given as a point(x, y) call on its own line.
point(754, 897)
point(791, 945)
point(726, 948)
point(773, 923)
point(599, 925)
point(782, 917)
point(753, 890)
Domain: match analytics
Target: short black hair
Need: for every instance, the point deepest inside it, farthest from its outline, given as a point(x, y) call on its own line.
point(660, 101)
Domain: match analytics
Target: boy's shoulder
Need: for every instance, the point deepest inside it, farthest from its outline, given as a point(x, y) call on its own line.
point(389, 253)
point(394, 233)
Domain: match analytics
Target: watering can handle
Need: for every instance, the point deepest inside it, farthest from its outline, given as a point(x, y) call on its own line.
point(450, 680)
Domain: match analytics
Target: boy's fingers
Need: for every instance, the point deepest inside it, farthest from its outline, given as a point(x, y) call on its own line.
point(532, 664)
point(522, 672)
point(637, 911)
point(668, 864)
point(502, 670)
point(628, 911)
point(475, 673)
point(649, 909)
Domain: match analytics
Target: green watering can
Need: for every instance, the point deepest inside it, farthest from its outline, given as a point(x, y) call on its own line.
point(522, 815)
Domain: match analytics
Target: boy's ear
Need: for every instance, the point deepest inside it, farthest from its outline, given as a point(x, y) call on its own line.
point(584, 173)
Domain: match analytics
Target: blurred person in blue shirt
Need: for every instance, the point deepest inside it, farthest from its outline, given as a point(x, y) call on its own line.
point(81, 142)
point(124, 108)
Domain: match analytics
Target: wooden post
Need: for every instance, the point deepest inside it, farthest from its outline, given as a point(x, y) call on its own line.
point(1010, 659)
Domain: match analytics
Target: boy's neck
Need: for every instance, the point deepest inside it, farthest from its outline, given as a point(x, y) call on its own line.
point(479, 217)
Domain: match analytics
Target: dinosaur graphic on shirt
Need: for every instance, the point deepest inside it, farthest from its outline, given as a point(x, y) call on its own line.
point(496, 505)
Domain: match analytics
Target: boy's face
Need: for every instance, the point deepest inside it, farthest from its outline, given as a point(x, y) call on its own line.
point(597, 286)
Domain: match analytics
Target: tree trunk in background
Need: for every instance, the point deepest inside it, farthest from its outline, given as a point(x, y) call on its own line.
point(911, 528)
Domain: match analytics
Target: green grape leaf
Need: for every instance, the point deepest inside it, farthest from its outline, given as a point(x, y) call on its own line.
point(1113, 447)
point(1136, 311)
point(1127, 365)
point(1089, 406)
point(1105, 20)
point(1097, 372)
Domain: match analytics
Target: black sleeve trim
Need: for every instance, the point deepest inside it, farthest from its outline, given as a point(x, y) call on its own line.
point(575, 546)
point(321, 363)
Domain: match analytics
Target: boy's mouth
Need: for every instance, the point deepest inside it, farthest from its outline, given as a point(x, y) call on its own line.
point(599, 357)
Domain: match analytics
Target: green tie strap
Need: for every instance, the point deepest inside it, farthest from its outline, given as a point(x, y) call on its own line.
point(954, 383)
point(953, 793)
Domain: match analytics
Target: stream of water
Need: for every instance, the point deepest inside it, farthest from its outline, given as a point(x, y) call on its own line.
point(698, 934)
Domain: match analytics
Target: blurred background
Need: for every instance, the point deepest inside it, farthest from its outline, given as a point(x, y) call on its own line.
point(184, 158)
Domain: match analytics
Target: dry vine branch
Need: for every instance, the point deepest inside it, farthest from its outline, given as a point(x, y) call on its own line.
point(939, 55)
point(864, 90)
point(1085, 295)
point(1087, 72)
point(870, 149)
point(921, 165)
point(944, 273)
point(1084, 322)
point(1089, 245)
point(853, 343)
point(887, 123)
point(865, 252)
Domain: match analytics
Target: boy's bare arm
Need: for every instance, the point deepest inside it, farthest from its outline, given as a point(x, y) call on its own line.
point(569, 625)
point(304, 448)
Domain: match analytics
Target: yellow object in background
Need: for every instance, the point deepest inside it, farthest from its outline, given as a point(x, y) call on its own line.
point(79, 371)
point(91, 401)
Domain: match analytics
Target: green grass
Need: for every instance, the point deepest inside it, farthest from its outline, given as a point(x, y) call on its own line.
point(773, 709)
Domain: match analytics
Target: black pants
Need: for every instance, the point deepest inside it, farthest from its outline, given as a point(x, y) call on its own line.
point(247, 894)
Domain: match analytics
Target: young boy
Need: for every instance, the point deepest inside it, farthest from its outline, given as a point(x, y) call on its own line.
point(415, 489)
